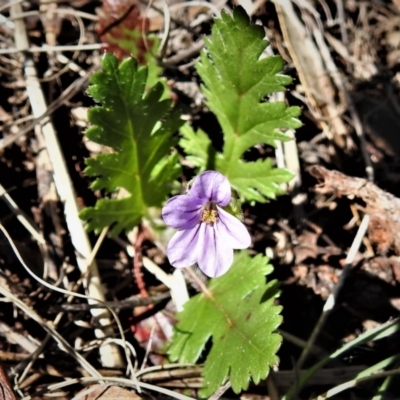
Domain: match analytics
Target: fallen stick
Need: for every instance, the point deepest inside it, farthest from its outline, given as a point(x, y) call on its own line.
point(382, 207)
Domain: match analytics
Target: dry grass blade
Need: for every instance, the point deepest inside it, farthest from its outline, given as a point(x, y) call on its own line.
point(17, 338)
point(47, 48)
point(21, 216)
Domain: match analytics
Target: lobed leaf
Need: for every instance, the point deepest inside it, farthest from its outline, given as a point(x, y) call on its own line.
point(137, 124)
point(254, 180)
point(237, 83)
point(239, 317)
point(197, 146)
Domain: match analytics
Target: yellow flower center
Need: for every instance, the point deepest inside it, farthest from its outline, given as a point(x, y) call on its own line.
point(210, 213)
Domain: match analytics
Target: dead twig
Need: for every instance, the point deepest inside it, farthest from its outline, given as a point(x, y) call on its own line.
point(134, 301)
point(383, 207)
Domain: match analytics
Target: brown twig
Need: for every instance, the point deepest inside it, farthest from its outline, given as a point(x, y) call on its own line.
point(383, 207)
point(134, 301)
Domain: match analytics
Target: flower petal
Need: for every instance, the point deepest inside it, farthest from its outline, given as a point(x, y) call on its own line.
point(215, 256)
point(183, 248)
point(212, 186)
point(182, 212)
point(232, 230)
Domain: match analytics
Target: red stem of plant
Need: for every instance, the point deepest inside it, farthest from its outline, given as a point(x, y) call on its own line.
point(137, 264)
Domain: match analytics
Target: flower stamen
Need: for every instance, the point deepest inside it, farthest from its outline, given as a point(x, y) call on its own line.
point(210, 214)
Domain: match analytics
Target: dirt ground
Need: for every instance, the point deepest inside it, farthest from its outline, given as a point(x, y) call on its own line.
point(344, 58)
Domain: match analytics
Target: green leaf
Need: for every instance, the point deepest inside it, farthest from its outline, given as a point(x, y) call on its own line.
point(254, 180)
point(198, 147)
point(138, 126)
point(132, 42)
point(239, 315)
point(237, 83)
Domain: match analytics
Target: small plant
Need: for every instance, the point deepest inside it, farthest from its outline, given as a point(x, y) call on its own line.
point(237, 311)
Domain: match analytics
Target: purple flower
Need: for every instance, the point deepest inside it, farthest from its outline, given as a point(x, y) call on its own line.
point(207, 234)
